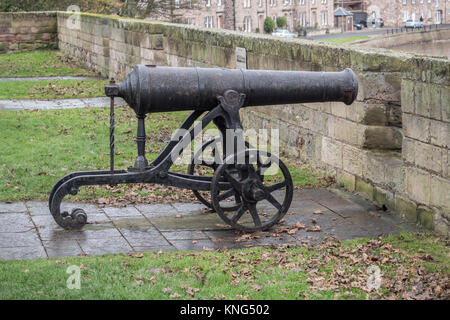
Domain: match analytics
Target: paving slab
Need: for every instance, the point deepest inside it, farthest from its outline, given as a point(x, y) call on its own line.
point(62, 248)
point(28, 231)
point(15, 222)
point(12, 207)
point(22, 253)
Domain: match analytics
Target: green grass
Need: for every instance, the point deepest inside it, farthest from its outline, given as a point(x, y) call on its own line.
point(40, 64)
point(41, 146)
point(294, 273)
point(52, 89)
point(345, 40)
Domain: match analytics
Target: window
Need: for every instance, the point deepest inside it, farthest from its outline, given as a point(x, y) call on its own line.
point(208, 3)
point(219, 25)
point(302, 2)
point(324, 18)
point(177, 4)
point(219, 3)
point(302, 19)
point(260, 3)
point(209, 22)
point(247, 4)
point(405, 15)
point(247, 24)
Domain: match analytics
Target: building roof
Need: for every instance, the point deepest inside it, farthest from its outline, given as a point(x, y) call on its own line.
point(341, 12)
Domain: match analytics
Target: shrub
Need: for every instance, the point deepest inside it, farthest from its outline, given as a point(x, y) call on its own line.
point(269, 25)
point(281, 22)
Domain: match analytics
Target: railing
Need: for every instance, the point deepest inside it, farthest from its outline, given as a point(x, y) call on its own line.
point(412, 29)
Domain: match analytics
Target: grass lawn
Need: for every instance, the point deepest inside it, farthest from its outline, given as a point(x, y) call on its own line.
point(40, 64)
point(411, 266)
point(345, 40)
point(52, 89)
point(41, 146)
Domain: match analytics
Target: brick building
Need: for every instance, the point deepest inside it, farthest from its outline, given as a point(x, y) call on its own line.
point(396, 12)
point(249, 15)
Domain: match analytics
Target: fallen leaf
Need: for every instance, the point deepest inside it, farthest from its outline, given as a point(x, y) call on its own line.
point(314, 229)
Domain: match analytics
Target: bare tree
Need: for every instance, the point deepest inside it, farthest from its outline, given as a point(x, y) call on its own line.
point(157, 9)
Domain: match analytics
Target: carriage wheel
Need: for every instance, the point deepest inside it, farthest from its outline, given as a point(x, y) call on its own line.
point(211, 157)
point(264, 200)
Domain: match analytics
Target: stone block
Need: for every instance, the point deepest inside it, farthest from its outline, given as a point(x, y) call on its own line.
point(408, 150)
point(407, 96)
point(380, 86)
point(440, 133)
point(346, 131)
point(346, 180)
point(374, 168)
point(440, 192)
point(375, 115)
point(406, 207)
point(395, 174)
point(365, 188)
point(425, 217)
point(416, 127)
point(445, 103)
point(338, 109)
point(331, 152)
point(352, 159)
point(428, 156)
point(418, 184)
point(383, 138)
point(446, 163)
point(422, 92)
point(436, 105)
point(157, 42)
point(384, 198)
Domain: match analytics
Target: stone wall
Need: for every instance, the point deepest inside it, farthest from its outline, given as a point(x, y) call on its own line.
point(27, 31)
point(391, 145)
point(391, 41)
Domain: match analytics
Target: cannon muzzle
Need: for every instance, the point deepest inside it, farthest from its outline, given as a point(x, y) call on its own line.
point(149, 89)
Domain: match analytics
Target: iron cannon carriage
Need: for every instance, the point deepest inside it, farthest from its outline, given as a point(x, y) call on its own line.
point(239, 191)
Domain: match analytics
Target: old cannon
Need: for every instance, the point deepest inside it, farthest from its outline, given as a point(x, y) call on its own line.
point(238, 190)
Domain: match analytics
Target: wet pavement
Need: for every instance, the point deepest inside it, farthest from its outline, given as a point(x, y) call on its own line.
point(50, 78)
point(28, 231)
point(58, 104)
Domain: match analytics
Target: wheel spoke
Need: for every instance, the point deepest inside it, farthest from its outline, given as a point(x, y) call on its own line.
point(276, 186)
point(274, 201)
point(226, 194)
point(255, 215)
point(238, 214)
point(233, 181)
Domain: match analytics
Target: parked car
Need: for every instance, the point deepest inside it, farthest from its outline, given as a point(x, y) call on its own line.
point(283, 33)
point(413, 24)
point(358, 26)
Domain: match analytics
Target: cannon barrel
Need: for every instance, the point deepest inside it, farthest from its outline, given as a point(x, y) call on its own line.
point(149, 89)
